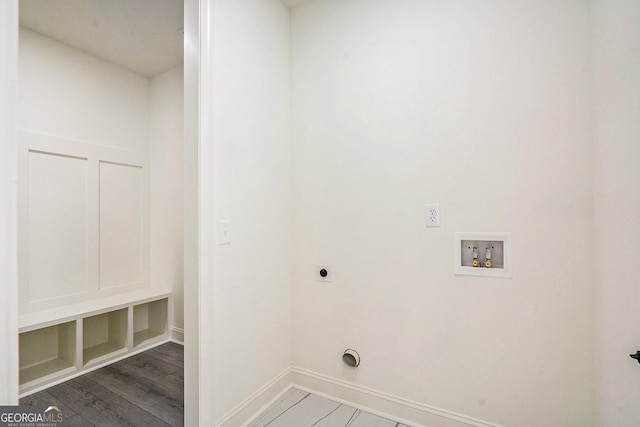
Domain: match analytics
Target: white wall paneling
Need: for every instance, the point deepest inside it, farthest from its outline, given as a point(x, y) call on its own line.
point(77, 109)
point(56, 226)
point(122, 224)
point(84, 221)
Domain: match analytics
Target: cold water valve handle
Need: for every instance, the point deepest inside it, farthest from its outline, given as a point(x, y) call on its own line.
point(636, 356)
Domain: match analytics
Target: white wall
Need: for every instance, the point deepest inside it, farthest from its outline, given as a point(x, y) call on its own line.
point(166, 194)
point(69, 94)
point(251, 189)
point(616, 133)
point(8, 203)
point(483, 107)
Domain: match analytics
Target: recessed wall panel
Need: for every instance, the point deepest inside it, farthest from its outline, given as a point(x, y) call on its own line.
point(121, 224)
point(56, 226)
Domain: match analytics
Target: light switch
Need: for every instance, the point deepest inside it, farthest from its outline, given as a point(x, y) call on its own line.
point(225, 233)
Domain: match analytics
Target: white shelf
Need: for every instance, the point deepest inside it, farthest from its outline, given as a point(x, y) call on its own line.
point(149, 322)
point(87, 336)
point(45, 369)
point(47, 351)
point(57, 315)
point(104, 334)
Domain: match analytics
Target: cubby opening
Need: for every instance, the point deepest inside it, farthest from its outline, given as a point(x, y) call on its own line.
point(47, 351)
point(103, 335)
point(149, 321)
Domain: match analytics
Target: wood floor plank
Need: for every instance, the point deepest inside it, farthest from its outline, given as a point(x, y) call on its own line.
point(101, 406)
point(169, 352)
point(44, 398)
point(146, 388)
point(174, 382)
point(77, 421)
point(154, 397)
point(147, 366)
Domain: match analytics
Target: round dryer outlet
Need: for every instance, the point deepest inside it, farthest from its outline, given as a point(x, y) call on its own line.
point(323, 273)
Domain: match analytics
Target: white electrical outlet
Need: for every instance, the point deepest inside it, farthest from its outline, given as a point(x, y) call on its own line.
point(432, 215)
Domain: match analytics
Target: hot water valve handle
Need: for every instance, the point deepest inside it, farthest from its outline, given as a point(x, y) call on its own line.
point(636, 356)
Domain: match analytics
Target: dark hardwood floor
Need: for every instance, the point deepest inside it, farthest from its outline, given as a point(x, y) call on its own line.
point(143, 390)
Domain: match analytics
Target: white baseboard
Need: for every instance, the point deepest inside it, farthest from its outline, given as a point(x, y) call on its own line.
point(252, 406)
point(177, 335)
point(405, 411)
point(379, 403)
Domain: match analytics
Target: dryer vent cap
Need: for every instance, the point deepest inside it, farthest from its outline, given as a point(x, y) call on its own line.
point(351, 358)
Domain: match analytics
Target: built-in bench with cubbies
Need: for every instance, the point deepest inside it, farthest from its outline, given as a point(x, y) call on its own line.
point(64, 342)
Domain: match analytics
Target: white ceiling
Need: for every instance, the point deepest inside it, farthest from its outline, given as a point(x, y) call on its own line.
point(140, 35)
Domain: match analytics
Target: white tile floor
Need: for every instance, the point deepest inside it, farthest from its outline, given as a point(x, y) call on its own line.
point(301, 409)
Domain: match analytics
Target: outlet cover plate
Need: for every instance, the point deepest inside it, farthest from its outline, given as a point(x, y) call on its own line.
point(432, 215)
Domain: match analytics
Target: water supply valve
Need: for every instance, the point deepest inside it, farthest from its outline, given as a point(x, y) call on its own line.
point(487, 257)
point(475, 262)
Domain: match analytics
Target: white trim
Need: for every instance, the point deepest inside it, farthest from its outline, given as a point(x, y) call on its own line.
point(206, 260)
point(177, 335)
point(257, 414)
point(380, 403)
point(8, 201)
point(198, 183)
point(255, 404)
